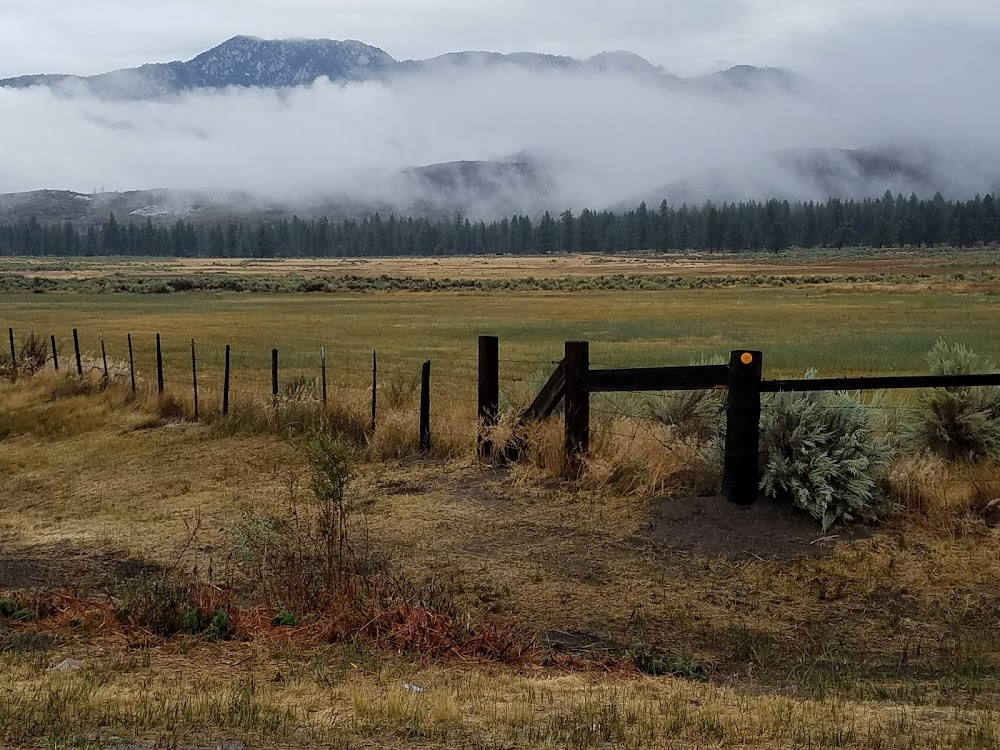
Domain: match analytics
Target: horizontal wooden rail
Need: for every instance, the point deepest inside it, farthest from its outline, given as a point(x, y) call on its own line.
point(657, 379)
point(892, 382)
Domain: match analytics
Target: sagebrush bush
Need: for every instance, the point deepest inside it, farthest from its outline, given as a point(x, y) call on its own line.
point(821, 452)
point(958, 423)
point(692, 414)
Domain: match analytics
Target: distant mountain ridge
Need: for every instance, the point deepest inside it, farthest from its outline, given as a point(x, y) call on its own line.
point(521, 184)
point(481, 189)
point(822, 173)
point(251, 62)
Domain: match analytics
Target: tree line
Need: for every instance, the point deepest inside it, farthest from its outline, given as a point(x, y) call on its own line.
point(772, 225)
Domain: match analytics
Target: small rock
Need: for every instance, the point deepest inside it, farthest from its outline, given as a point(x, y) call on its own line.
point(67, 665)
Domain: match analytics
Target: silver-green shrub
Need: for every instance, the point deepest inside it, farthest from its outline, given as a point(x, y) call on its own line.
point(958, 423)
point(822, 452)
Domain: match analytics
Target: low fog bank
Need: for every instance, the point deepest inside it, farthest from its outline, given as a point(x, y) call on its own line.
point(556, 139)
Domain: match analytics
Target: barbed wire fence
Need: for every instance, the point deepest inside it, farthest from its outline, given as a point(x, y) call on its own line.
point(389, 382)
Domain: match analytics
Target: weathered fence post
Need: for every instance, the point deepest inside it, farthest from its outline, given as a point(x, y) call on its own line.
point(425, 408)
point(741, 473)
point(131, 362)
point(274, 376)
point(374, 387)
point(13, 357)
point(194, 378)
point(76, 349)
point(225, 386)
point(577, 403)
point(55, 354)
point(489, 392)
point(159, 366)
point(104, 357)
point(322, 365)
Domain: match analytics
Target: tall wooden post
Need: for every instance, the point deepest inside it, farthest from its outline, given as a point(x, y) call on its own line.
point(425, 408)
point(489, 392)
point(322, 365)
point(741, 472)
point(577, 403)
point(55, 354)
point(76, 349)
point(159, 366)
point(274, 375)
point(104, 357)
point(13, 357)
point(131, 362)
point(225, 386)
point(194, 378)
point(374, 389)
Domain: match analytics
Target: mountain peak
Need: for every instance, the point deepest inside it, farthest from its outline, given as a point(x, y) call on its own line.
point(252, 62)
point(623, 60)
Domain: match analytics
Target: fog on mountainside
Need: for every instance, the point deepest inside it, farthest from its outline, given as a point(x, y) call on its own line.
point(344, 128)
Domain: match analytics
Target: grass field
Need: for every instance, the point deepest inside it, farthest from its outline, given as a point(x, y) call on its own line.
point(771, 633)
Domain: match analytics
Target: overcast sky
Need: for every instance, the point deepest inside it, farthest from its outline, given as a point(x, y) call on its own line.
point(686, 36)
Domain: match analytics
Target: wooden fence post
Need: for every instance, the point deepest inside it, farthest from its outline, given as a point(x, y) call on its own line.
point(13, 357)
point(274, 376)
point(741, 473)
point(425, 408)
point(194, 378)
point(577, 403)
point(55, 354)
point(322, 366)
point(374, 388)
point(225, 386)
point(489, 392)
point(104, 357)
point(159, 366)
point(76, 348)
point(131, 362)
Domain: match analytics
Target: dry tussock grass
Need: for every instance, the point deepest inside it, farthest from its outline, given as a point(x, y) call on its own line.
point(947, 496)
point(628, 458)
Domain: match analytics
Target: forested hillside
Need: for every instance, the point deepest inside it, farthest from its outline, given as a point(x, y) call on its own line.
point(773, 226)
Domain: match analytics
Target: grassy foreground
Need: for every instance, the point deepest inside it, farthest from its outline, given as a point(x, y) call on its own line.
point(872, 638)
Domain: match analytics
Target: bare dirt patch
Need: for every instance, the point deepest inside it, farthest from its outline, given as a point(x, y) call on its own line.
point(81, 568)
point(767, 530)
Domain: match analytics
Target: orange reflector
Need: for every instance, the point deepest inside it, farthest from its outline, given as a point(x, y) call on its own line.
point(747, 358)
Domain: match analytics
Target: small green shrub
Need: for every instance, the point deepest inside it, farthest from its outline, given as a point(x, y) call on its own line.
point(14, 611)
point(284, 619)
point(299, 555)
point(165, 606)
point(657, 666)
point(821, 452)
point(220, 627)
point(160, 604)
point(958, 423)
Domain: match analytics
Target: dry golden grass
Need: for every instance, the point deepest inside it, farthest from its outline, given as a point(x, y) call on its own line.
point(194, 695)
point(887, 641)
point(947, 496)
point(939, 261)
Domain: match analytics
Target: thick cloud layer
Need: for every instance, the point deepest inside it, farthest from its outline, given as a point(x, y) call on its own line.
point(55, 36)
point(605, 137)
